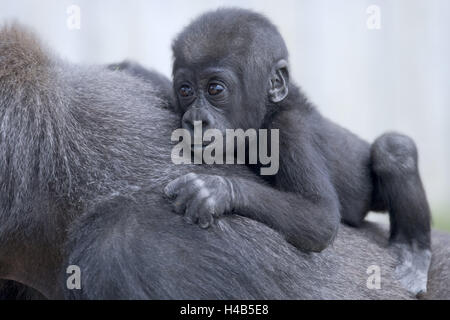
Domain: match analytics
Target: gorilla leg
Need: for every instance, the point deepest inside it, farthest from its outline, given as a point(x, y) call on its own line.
point(399, 190)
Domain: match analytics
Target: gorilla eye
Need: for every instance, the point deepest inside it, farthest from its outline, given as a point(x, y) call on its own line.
point(186, 91)
point(215, 89)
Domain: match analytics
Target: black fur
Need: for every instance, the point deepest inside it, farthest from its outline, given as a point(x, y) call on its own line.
point(326, 173)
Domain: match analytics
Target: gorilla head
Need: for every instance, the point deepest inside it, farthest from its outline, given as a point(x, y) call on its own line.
point(230, 67)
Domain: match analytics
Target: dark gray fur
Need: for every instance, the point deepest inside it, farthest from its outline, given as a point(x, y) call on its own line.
point(84, 157)
point(161, 84)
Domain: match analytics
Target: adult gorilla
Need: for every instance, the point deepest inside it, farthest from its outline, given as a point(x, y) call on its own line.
point(84, 157)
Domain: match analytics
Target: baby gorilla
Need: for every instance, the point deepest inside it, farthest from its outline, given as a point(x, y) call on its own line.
point(231, 71)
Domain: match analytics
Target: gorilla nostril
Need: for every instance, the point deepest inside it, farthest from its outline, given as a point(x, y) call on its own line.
point(188, 124)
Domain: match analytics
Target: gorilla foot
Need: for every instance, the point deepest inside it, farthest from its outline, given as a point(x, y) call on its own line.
point(412, 271)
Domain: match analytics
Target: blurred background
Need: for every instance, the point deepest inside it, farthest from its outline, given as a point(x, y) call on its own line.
point(371, 66)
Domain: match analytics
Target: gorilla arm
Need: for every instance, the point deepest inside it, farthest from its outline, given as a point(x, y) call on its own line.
point(309, 225)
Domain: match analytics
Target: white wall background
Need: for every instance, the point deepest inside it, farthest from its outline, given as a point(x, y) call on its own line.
point(371, 81)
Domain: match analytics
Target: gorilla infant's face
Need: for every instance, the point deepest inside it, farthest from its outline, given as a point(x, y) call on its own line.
point(213, 95)
point(229, 94)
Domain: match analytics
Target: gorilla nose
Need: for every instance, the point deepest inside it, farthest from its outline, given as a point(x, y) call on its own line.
point(190, 119)
point(189, 124)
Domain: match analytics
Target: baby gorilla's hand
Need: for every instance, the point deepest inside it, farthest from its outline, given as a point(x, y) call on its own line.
point(201, 197)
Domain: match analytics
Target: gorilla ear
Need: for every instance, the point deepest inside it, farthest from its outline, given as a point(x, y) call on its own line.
point(279, 82)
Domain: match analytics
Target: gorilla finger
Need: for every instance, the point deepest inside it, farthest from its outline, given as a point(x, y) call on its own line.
point(205, 219)
point(181, 201)
point(189, 219)
point(188, 216)
point(172, 189)
point(193, 209)
point(211, 207)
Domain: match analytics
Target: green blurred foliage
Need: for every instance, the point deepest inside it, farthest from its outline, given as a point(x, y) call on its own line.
point(441, 219)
